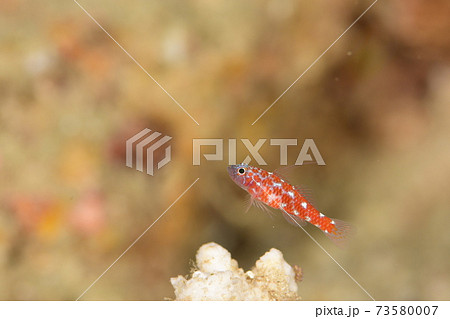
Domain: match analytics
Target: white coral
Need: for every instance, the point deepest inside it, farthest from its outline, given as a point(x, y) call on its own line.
point(219, 278)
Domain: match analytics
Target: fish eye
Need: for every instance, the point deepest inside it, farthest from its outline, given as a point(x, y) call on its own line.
point(241, 171)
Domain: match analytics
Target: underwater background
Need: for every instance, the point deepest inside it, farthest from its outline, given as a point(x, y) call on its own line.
point(376, 105)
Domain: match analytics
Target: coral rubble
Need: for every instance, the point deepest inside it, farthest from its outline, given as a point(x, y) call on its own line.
point(218, 277)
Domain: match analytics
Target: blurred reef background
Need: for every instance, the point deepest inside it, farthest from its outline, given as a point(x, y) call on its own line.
point(376, 105)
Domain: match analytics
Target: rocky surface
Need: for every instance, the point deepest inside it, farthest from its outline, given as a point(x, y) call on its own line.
point(218, 277)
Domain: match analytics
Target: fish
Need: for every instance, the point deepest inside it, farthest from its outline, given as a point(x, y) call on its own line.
point(273, 190)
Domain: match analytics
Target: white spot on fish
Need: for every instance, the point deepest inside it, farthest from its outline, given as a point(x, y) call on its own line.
point(308, 219)
point(332, 222)
point(272, 198)
point(276, 184)
point(304, 205)
point(296, 212)
point(326, 231)
point(283, 205)
point(321, 215)
point(291, 194)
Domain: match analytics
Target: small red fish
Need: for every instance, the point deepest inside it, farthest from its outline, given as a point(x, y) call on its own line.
point(271, 189)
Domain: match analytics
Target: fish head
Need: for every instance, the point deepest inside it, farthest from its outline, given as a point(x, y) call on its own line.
point(240, 175)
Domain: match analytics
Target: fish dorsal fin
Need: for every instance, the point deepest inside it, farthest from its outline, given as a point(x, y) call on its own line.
point(307, 193)
point(284, 172)
point(294, 220)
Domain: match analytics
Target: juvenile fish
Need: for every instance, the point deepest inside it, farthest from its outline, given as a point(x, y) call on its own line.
point(271, 189)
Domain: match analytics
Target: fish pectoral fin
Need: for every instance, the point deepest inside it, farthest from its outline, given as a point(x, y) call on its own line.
point(249, 203)
point(294, 220)
point(259, 204)
point(263, 206)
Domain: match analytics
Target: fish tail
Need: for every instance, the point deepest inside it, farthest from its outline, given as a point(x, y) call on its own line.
point(341, 233)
